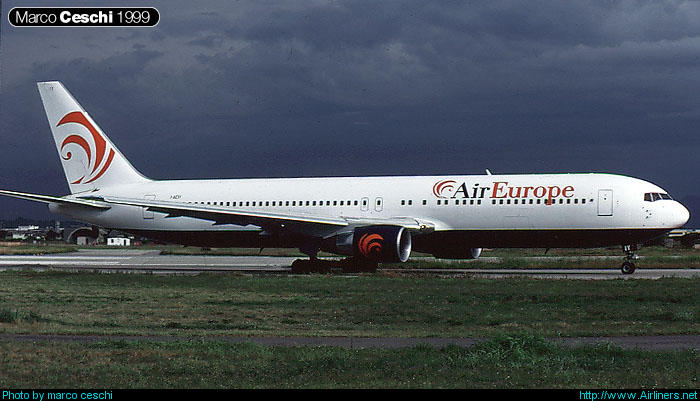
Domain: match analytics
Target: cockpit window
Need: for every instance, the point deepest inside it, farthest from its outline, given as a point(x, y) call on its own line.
point(654, 196)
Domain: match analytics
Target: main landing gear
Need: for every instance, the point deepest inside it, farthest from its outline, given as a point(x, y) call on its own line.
point(628, 266)
point(348, 265)
point(316, 265)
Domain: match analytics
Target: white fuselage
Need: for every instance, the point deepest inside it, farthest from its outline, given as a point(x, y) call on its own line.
point(526, 203)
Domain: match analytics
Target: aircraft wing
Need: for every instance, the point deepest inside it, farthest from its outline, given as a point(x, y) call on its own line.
point(301, 223)
point(53, 199)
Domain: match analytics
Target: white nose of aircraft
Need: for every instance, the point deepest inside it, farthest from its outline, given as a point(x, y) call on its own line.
point(681, 215)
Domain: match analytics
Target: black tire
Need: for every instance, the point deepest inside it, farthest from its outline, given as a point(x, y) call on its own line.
point(628, 268)
point(300, 266)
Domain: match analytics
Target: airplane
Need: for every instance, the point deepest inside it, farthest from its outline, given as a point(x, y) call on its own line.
point(369, 219)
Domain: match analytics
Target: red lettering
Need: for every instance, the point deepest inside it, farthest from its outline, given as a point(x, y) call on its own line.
point(552, 193)
point(516, 194)
point(502, 190)
point(567, 189)
point(496, 189)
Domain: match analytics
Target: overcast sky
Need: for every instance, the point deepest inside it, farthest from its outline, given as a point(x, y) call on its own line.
point(322, 88)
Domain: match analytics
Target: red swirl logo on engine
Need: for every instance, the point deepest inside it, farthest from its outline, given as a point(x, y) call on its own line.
point(99, 145)
point(443, 186)
point(370, 245)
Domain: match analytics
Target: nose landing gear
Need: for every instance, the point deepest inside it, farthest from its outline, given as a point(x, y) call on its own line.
point(628, 266)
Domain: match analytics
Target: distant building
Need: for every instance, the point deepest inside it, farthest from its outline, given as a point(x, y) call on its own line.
point(118, 241)
point(23, 233)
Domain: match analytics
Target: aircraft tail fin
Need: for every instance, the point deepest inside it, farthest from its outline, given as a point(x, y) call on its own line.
point(90, 160)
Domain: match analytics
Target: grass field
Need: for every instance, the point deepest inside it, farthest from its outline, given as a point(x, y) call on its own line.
point(519, 361)
point(365, 305)
point(514, 314)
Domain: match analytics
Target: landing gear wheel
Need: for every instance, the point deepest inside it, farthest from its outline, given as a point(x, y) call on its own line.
point(301, 266)
point(628, 268)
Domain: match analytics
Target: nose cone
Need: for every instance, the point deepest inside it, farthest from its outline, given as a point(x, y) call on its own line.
point(681, 215)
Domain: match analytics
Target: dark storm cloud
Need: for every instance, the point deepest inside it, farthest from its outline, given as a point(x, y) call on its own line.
point(365, 87)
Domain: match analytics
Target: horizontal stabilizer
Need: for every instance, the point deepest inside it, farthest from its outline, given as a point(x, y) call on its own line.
point(56, 200)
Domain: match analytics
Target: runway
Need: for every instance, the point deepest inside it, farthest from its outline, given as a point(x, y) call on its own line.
point(139, 261)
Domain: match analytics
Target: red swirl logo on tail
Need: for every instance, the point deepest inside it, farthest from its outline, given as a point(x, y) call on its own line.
point(95, 160)
point(370, 245)
point(443, 186)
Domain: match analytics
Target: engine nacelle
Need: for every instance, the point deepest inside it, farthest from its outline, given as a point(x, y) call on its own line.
point(376, 243)
point(460, 253)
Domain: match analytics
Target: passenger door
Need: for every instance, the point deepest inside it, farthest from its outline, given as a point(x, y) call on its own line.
point(605, 202)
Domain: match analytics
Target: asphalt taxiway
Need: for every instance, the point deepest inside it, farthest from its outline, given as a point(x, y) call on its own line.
point(148, 261)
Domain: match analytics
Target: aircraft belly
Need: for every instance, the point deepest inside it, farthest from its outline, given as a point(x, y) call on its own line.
point(540, 238)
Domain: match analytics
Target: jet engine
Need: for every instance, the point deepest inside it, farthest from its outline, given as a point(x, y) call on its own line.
point(376, 243)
